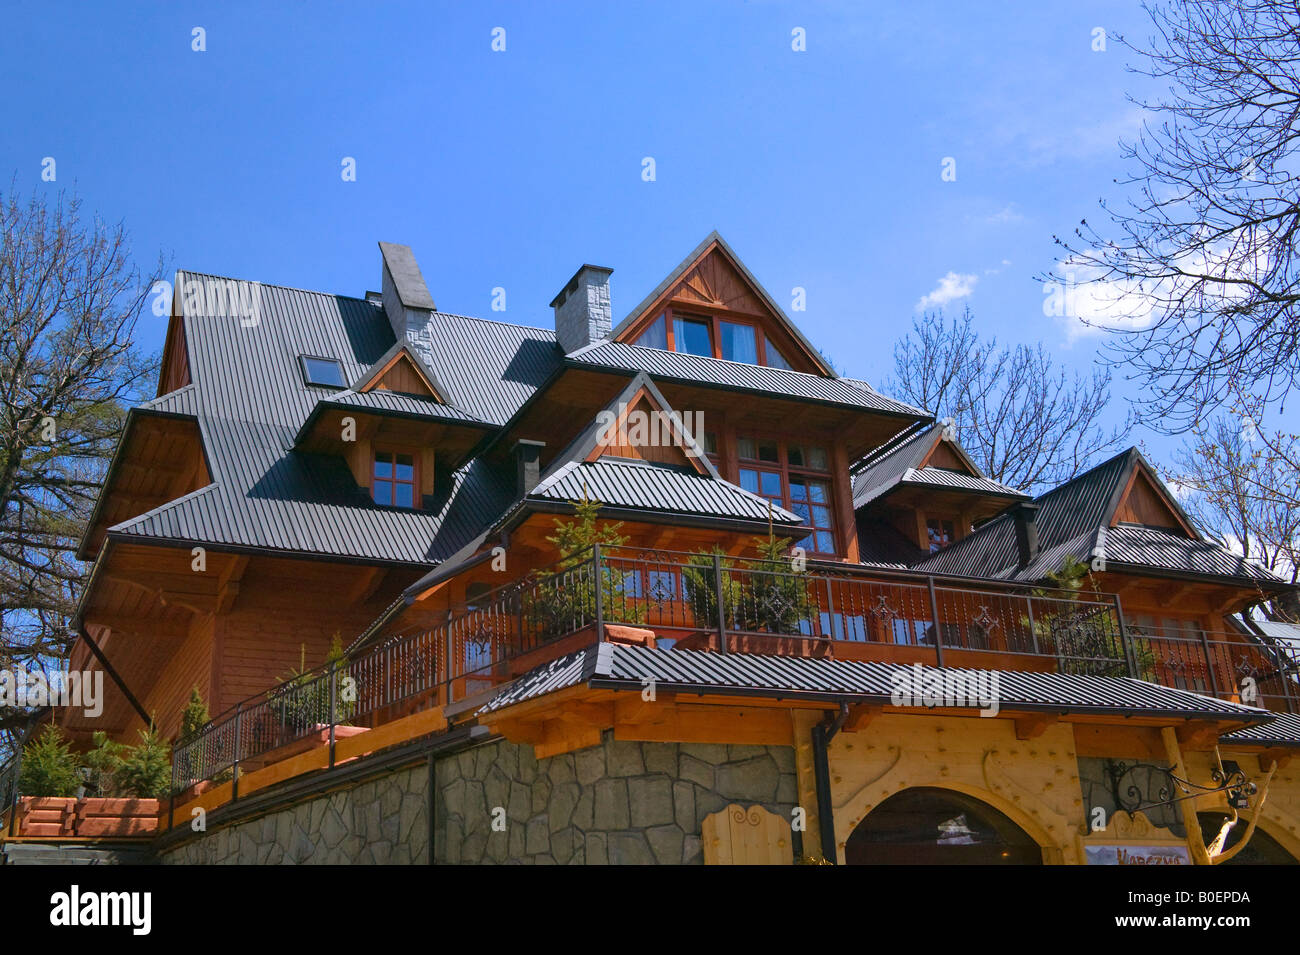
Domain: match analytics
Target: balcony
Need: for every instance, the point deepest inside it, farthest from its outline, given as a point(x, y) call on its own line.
point(410, 683)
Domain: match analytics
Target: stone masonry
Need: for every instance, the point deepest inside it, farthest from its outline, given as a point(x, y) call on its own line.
point(382, 821)
point(616, 803)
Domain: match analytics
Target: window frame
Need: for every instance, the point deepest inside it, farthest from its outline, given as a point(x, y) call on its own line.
point(306, 375)
point(393, 452)
point(783, 468)
point(714, 320)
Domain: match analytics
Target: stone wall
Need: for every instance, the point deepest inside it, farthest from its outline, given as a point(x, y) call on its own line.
point(619, 802)
point(382, 821)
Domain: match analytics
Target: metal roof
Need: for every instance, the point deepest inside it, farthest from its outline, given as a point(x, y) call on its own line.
point(250, 399)
point(1073, 520)
point(618, 666)
point(697, 369)
point(621, 482)
point(1282, 731)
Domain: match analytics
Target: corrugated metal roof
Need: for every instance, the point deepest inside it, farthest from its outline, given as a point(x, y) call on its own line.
point(1283, 731)
point(250, 398)
point(881, 543)
point(1073, 520)
point(183, 401)
point(619, 482)
point(1153, 547)
point(680, 366)
point(393, 403)
point(608, 664)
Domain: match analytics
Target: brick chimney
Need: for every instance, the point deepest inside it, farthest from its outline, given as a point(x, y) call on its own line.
point(406, 298)
point(582, 309)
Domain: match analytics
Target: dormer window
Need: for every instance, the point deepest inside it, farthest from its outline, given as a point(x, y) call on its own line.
point(393, 479)
point(712, 337)
point(322, 372)
point(940, 533)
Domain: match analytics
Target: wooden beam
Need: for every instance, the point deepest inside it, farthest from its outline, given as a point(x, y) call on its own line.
point(368, 581)
point(1031, 727)
point(1198, 735)
point(860, 716)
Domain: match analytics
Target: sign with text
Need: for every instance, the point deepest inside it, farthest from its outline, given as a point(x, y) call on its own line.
point(1138, 855)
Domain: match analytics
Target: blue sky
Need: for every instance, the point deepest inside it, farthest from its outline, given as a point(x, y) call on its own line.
point(822, 168)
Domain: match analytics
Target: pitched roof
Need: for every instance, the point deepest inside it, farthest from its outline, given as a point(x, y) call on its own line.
point(250, 400)
point(616, 666)
point(896, 467)
point(647, 486)
point(720, 373)
point(1074, 520)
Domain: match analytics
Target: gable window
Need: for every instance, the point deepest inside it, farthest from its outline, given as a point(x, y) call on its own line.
point(792, 476)
point(940, 533)
point(692, 335)
point(393, 480)
point(712, 337)
point(739, 342)
point(322, 372)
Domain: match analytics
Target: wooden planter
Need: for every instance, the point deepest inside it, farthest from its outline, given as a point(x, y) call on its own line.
point(319, 736)
point(46, 815)
point(104, 817)
point(95, 817)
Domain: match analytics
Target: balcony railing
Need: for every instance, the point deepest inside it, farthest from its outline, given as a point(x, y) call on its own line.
point(721, 604)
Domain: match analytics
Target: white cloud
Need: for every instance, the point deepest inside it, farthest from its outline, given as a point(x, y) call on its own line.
point(950, 288)
point(1004, 216)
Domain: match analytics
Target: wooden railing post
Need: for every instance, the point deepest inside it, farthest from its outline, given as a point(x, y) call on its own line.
point(938, 630)
point(721, 609)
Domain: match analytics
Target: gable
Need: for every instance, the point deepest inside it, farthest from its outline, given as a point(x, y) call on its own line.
point(943, 456)
point(643, 430)
point(402, 375)
point(1143, 503)
point(713, 282)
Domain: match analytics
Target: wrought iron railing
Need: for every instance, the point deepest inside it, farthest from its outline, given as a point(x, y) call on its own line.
point(9, 789)
point(721, 604)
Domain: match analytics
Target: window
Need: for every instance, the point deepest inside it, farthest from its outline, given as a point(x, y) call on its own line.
point(712, 337)
point(393, 482)
point(322, 372)
point(940, 533)
point(739, 342)
point(655, 336)
point(692, 335)
point(774, 357)
point(779, 471)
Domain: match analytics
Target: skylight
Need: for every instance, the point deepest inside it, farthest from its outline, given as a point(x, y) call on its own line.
point(324, 372)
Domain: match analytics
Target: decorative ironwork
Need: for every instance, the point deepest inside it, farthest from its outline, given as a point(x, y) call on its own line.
point(986, 619)
point(883, 609)
point(1134, 784)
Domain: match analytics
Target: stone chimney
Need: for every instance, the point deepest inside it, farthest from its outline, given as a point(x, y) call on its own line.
point(1025, 516)
point(528, 465)
point(582, 309)
point(406, 298)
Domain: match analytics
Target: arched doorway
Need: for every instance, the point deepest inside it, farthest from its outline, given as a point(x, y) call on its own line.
point(926, 826)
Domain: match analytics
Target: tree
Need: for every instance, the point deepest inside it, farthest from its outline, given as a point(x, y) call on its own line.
point(69, 304)
point(1245, 496)
point(1024, 421)
point(1205, 247)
